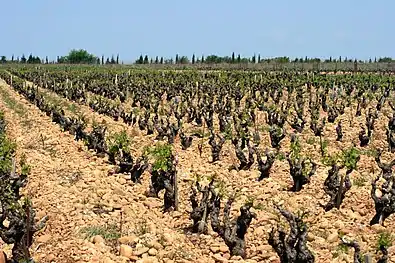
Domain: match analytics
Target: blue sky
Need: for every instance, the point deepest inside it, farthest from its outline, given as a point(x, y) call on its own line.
point(355, 29)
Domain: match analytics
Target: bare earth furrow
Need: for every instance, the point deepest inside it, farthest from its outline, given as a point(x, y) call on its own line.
point(55, 158)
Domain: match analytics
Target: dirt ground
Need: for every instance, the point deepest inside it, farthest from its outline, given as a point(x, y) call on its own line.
point(73, 187)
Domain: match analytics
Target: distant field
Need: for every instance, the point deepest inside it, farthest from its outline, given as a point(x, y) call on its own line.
point(272, 66)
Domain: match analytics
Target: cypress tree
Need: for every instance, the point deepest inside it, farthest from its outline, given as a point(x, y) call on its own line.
point(140, 60)
point(30, 59)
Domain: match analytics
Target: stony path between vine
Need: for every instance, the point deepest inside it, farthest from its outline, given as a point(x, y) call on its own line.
point(55, 159)
point(66, 182)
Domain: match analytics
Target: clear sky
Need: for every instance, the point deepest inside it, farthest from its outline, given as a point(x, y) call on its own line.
point(347, 28)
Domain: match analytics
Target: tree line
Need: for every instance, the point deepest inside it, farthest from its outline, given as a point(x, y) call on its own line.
point(238, 59)
point(82, 56)
point(75, 56)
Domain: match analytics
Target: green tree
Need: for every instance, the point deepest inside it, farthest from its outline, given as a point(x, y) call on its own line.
point(79, 56)
point(238, 58)
point(3, 59)
point(161, 60)
point(202, 59)
point(156, 60)
point(117, 59)
point(385, 59)
point(12, 58)
point(183, 60)
point(316, 60)
point(23, 59)
point(30, 59)
point(177, 59)
point(259, 58)
point(213, 59)
point(33, 60)
point(253, 59)
point(102, 60)
point(281, 59)
point(140, 60)
point(146, 61)
point(193, 59)
point(46, 60)
point(233, 57)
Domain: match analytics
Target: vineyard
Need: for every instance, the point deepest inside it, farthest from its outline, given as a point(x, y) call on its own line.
point(143, 165)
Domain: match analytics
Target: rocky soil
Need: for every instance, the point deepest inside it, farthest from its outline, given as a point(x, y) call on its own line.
point(96, 216)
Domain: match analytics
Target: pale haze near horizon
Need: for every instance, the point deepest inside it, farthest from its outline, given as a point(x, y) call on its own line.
point(353, 29)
